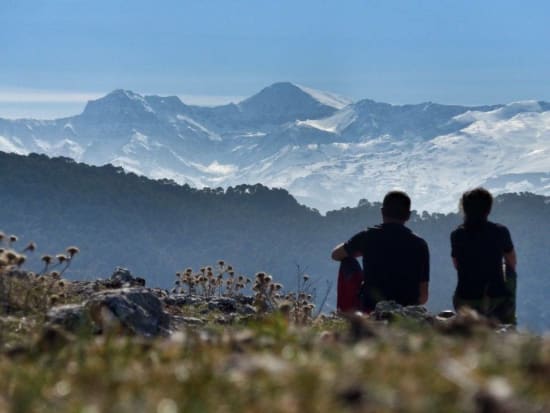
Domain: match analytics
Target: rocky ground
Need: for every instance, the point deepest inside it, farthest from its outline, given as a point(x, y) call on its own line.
point(115, 345)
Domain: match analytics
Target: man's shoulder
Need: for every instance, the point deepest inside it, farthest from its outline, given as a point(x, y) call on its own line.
point(375, 229)
point(499, 230)
point(496, 226)
point(458, 231)
point(418, 239)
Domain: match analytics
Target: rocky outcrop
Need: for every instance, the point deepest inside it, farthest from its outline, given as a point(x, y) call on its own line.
point(136, 310)
point(390, 310)
point(130, 310)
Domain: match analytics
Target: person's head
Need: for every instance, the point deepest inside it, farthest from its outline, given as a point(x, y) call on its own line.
point(476, 205)
point(396, 207)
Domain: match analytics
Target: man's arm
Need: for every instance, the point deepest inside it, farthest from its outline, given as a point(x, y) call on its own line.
point(424, 275)
point(339, 253)
point(423, 296)
point(511, 260)
point(455, 263)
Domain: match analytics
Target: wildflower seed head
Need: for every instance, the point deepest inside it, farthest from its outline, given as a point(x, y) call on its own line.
point(11, 256)
point(30, 247)
point(47, 259)
point(13, 238)
point(20, 260)
point(61, 258)
point(72, 251)
point(221, 263)
point(55, 274)
point(260, 275)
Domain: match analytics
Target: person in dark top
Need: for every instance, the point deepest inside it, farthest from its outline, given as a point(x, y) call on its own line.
point(484, 257)
point(396, 263)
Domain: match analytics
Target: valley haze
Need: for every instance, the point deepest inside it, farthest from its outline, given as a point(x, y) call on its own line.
point(326, 150)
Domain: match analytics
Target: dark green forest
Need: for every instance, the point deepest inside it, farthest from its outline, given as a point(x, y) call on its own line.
point(156, 228)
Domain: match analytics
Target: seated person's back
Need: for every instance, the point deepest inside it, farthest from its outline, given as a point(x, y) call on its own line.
point(395, 260)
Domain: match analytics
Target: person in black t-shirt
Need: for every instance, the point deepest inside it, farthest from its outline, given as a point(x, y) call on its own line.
point(484, 257)
point(396, 263)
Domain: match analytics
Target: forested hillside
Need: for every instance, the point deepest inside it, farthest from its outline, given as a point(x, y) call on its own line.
point(156, 228)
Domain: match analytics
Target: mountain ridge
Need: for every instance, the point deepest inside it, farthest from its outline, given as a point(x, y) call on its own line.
point(285, 136)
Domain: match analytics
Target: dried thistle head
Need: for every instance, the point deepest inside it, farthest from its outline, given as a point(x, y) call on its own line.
point(55, 275)
point(20, 260)
point(72, 251)
point(221, 263)
point(11, 256)
point(30, 247)
point(61, 258)
point(47, 259)
point(13, 238)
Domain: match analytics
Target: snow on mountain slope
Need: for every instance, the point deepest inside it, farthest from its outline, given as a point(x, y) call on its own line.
point(336, 123)
point(327, 98)
point(327, 152)
point(8, 145)
point(434, 172)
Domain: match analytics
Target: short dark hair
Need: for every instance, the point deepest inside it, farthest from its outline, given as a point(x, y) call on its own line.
point(476, 204)
point(397, 205)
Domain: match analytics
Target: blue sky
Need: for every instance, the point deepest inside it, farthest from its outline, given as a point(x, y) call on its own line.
point(56, 54)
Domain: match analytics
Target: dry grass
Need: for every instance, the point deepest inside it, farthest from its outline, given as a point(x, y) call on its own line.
point(271, 366)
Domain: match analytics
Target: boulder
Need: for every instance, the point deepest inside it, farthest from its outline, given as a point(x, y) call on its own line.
point(72, 317)
point(136, 310)
point(132, 310)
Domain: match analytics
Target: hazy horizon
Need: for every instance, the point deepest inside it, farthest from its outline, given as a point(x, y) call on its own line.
point(468, 53)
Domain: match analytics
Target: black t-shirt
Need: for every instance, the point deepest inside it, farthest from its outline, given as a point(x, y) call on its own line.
point(479, 252)
point(395, 262)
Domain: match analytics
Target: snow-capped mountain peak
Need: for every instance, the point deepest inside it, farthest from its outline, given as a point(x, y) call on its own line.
point(117, 103)
point(325, 150)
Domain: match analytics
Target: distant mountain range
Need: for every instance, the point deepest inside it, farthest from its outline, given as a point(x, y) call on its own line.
point(327, 151)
